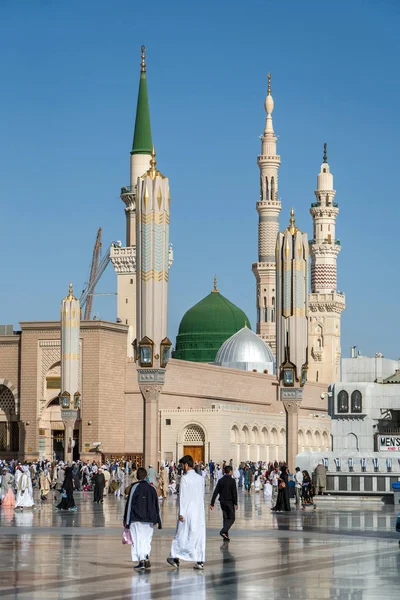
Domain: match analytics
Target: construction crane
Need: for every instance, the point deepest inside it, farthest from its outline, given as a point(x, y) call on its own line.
point(96, 271)
point(93, 270)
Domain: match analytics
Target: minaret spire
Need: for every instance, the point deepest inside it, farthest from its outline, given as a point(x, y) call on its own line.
point(142, 141)
point(268, 208)
point(325, 154)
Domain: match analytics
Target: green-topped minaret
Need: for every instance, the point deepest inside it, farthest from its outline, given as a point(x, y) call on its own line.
point(142, 142)
point(124, 258)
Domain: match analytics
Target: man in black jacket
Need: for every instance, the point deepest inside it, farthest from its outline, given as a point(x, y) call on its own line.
point(228, 499)
point(142, 512)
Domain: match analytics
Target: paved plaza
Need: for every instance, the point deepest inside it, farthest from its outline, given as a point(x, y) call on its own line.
point(342, 550)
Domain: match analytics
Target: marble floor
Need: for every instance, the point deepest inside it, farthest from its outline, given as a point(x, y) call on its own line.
point(342, 550)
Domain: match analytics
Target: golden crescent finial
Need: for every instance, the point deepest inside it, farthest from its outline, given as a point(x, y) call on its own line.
point(215, 284)
point(269, 84)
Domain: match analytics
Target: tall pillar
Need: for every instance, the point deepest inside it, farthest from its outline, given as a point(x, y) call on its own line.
point(70, 397)
point(292, 327)
point(151, 382)
point(153, 263)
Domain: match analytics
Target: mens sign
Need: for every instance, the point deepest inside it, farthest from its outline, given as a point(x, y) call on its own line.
point(389, 443)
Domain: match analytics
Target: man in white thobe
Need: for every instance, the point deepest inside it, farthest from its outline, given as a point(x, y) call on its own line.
point(24, 490)
point(189, 542)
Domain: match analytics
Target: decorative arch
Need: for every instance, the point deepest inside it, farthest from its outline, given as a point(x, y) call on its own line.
point(182, 431)
point(301, 439)
point(193, 433)
point(309, 439)
point(265, 435)
point(274, 436)
point(255, 435)
point(352, 442)
point(282, 437)
point(235, 435)
point(14, 391)
point(245, 435)
point(317, 440)
point(325, 440)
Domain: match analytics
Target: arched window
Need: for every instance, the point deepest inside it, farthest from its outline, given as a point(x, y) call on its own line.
point(272, 188)
point(7, 401)
point(266, 188)
point(356, 402)
point(343, 402)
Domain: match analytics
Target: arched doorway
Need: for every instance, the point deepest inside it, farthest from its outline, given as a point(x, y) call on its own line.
point(193, 442)
point(52, 433)
point(9, 425)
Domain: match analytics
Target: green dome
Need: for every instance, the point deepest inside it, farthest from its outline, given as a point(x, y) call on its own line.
point(206, 326)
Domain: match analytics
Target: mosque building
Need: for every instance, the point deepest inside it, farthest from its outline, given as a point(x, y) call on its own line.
point(218, 396)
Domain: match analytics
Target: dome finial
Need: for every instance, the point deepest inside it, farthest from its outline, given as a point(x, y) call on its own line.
point(325, 154)
point(143, 64)
point(269, 84)
point(292, 227)
point(215, 290)
point(70, 293)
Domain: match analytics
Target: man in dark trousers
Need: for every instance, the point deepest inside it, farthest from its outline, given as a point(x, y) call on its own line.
point(228, 499)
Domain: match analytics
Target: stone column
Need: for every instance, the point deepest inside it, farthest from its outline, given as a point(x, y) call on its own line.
point(68, 417)
point(151, 382)
point(291, 399)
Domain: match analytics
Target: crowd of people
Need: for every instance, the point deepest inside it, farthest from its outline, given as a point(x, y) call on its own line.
point(146, 489)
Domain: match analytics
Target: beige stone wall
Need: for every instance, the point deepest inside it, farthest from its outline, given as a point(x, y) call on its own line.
point(9, 360)
point(238, 412)
point(134, 405)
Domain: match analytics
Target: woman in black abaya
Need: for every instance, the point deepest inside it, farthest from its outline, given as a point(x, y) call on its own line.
point(99, 483)
point(67, 492)
point(283, 503)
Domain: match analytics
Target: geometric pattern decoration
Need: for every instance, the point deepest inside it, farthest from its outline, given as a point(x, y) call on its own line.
point(323, 277)
point(7, 401)
point(3, 437)
point(194, 433)
point(11, 387)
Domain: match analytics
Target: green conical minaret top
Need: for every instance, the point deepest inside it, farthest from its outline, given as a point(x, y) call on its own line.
point(142, 142)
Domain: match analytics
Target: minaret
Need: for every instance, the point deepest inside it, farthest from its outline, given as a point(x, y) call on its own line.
point(153, 261)
point(124, 258)
point(268, 208)
point(70, 368)
point(292, 327)
point(325, 302)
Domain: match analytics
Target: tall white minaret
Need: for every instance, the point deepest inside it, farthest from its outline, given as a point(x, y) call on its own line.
point(325, 302)
point(70, 397)
point(153, 262)
point(124, 258)
point(268, 208)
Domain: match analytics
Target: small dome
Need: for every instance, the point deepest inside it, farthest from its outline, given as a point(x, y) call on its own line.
point(246, 351)
point(206, 326)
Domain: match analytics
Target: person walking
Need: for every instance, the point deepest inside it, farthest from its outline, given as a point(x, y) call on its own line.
point(320, 479)
point(142, 513)
point(67, 493)
point(307, 492)
point(298, 478)
point(24, 490)
point(283, 502)
point(228, 498)
point(99, 484)
point(248, 478)
point(189, 542)
point(44, 483)
point(274, 478)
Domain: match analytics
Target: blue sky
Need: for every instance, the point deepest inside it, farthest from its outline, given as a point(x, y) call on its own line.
point(69, 78)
